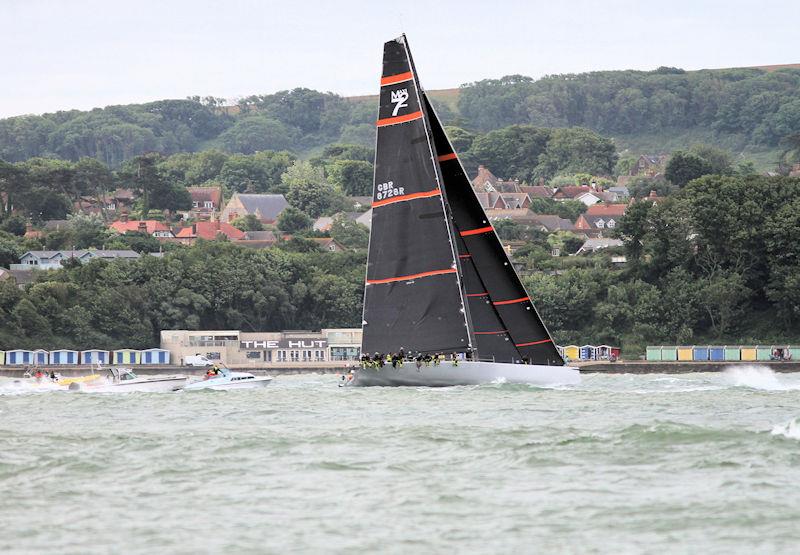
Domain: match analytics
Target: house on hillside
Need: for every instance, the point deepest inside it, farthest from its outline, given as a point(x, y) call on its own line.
point(208, 231)
point(328, 244)
point(550, 223)
point(53, 260)
point(117, 201)
point(266, 208)
point(324, 223)
point(157, 229)
point(360, 203)
point(486, 181)
point(205, 202)
point(595, 244)
point(522, 216)
point(537, 191)
point(649, 165)
point(258, 239)
point(601, 217)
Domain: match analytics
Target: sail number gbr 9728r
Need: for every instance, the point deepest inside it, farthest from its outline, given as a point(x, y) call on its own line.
point(388, 190)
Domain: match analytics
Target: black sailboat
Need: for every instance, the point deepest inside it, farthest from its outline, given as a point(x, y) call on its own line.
point(438, 279)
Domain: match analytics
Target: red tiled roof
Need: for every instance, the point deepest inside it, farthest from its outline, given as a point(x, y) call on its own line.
point(572, 191)
point(606, 210)
point(133, 225)
point(209, 231)
point(202, 194)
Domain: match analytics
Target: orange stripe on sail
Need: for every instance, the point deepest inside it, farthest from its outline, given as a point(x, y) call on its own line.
point(393, 79)
point(412, 276)
point(477, 294)
point(476, 231)
point(410, 196)
point(513, 301)
point(465, 256)
point(446, 157)
point(398, 119)
point(534, 343)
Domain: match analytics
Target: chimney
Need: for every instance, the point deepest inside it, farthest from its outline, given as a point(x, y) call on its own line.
point(123, 217)
point(143, 226)
point(653, 194)
point(216, 225)
point(28, 228)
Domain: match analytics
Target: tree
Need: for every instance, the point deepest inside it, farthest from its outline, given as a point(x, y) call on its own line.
point(352, 177)
point(14, 224)
point(349, 233)
point(293, 220)
point(576, 150)
point(307, 189)
point(248, 222)
point(10, 251)
point(257, 132)
point(461, 139)
point(684, 167)
point(339, 151)
point(511, 152)
point(258, 173)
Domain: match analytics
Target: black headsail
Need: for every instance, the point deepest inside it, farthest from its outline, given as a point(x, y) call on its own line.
point(413, 297)
point(507, 326)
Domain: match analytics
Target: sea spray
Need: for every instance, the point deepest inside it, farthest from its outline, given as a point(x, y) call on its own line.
point(755, 376)
point(790, 429)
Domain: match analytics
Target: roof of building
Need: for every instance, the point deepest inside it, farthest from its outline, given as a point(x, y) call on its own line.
point(606, 210)
point(551, 222)
point(323, 223)
point(572, 191)
point(209, 231)
point(519, 215)
point(134, 225)
point(512, 199)
point(327, 241)
point(260, 236)
point(93, 253)
point(203, 194)
point(484, 176)
point(360, 201)
point(269, 206)
point(537, 191)
point(54, 225)
point(594, 244)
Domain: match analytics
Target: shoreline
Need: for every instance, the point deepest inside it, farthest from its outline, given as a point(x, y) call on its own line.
point(586, 367)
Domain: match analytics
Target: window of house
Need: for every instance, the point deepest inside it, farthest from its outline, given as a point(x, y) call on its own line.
point(306, 356)
point(195, 204)
point(281, 356)
point(208, 204)
point(601, 224)
point(319, 356)
point(295, 355)
point(331, 247)
point(611, 223)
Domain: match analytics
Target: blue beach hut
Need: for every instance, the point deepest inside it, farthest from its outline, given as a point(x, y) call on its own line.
point(716, 354)
point(155, 356)
point(19, 356)
point(40, 357)
point(95, 356)
point(587, 352)
point(700, 353)
point(63, 356)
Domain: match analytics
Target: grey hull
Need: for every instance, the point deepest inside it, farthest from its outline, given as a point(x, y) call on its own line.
point(465, 373)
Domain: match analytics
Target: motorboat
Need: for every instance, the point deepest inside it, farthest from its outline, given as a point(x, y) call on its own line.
point(224, 379)
point(123, 380)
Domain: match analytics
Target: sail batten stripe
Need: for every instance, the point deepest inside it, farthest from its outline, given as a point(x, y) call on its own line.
point(394, 79)
point(477, 231)
point(412, 276)
point(534, 343)
point(399, 119)
point(446, 157)
point(410, 196)
point(465, 256)
point(484, 294)
point(490, 332)
point(512, 301)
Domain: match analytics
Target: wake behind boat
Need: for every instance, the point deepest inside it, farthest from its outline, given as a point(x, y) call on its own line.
point(438, 279)
point(224, 380)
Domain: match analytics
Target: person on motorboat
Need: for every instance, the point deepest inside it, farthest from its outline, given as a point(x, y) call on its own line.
point(212, 372)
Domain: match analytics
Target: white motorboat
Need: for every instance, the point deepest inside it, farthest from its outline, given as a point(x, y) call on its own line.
point(123, 380)
point(225, 379)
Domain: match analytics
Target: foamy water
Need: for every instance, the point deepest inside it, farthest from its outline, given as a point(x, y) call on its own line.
point(701, 463)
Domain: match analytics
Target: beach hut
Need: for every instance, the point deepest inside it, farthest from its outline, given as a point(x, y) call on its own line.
point(588, 352)
point(764, 352)
point(2, 357)
point(794, 352)
point(700, 353)
point(716, 353)
point(126, 356)
point(653, 353)
point(19, 356)
point(155, 356)
point(40, 357)
point(685, 353)
point(669, 353)
point(63, 356)
point(616, 353)
point(749, 353)
point(732, 353)
point(572, 352)
point(95, 356)
point(560, 350)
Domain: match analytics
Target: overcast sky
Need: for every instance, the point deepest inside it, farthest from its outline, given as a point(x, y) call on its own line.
point(63, 54)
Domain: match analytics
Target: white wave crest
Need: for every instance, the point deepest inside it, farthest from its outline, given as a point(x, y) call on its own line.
point(756, 377)
point(790, 429)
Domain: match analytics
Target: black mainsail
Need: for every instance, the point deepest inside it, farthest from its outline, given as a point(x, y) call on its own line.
point(413, 297)
point(438, 279)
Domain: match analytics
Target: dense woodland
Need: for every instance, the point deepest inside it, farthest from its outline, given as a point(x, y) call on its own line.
point(715, 261)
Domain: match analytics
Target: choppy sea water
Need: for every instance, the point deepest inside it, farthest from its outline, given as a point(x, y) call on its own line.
point(703, 463)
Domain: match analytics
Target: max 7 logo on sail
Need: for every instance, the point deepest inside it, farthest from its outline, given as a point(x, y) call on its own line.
point(399, 98)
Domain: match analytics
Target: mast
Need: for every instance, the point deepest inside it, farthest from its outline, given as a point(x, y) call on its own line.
point(498, 285)
point(413, 296)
